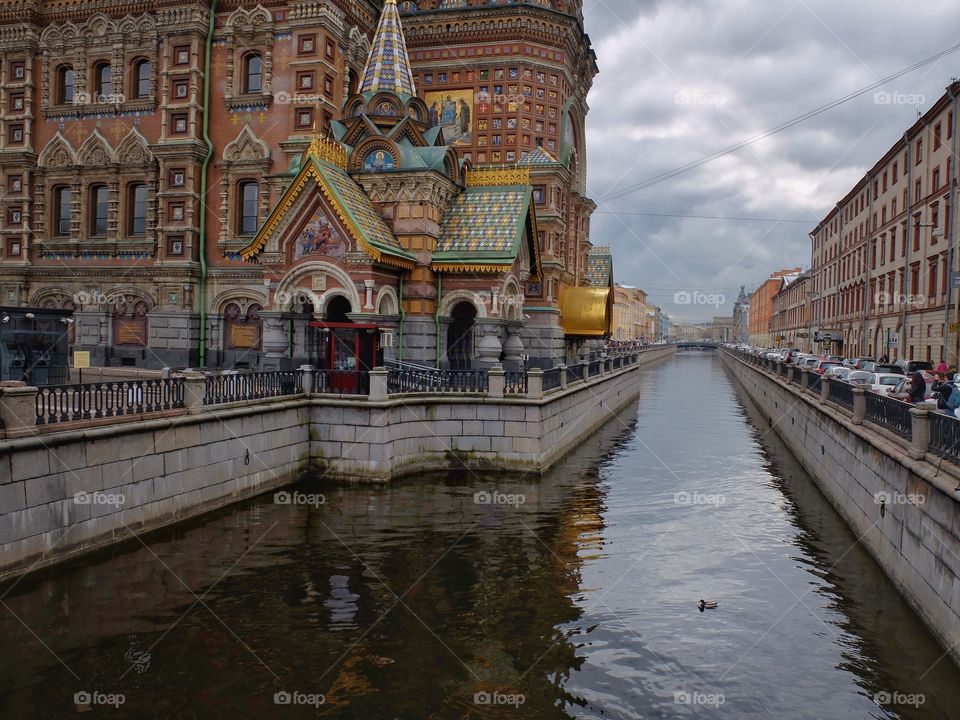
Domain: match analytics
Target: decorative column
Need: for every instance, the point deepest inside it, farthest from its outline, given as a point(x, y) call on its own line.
point(513, 347)
point(368, 285)
point(378, 384)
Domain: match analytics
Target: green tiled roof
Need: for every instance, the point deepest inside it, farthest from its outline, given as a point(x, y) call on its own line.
point(484, 225)
point(539, 156)
point(358, 206)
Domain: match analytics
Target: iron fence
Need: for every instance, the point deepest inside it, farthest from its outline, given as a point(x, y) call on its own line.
point(66, 403)
point(437, 381)
point(892, 414)
point(551, 379)
point(343, 382)
point(945, 437)
point(220, 389)
point(575, 372)
point(842, 393)
point(813, 382)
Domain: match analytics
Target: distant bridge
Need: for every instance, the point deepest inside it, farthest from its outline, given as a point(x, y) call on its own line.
point(700, 345)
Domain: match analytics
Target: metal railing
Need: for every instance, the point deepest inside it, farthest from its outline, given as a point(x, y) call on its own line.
point(945, 437)
point(343, 382)
point(515, 382)
point(66, 403)
point(220, 389)
point(841, 393)
point(594, 368)
point(575, 372)
point(437, 381)
point(892, 414)
point(813, 381)
point(551, 379)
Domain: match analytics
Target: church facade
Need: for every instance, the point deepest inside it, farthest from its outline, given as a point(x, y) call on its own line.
point(339, 182)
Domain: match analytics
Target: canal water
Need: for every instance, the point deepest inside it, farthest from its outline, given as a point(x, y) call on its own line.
point(469, 595)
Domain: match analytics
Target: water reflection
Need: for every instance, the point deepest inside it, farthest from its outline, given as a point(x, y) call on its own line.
point(463, 596)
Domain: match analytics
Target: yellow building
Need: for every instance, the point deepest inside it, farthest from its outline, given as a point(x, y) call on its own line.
point(630, 313)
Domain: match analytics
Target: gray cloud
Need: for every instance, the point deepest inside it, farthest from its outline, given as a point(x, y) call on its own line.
point(680, 80)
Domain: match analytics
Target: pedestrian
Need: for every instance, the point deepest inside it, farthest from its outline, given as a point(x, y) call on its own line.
point(884, 359)
point(918, 388)
point(943, 368)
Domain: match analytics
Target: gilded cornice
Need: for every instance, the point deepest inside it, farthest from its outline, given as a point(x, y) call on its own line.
point(502, 175)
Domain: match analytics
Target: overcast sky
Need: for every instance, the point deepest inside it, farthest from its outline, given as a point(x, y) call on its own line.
point(680, 79)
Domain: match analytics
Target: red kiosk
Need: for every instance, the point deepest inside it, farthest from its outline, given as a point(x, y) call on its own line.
point(347, 351)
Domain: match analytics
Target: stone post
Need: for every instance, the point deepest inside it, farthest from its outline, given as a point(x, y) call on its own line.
point(824, 389)
point(194, 388)
point(804, 380)
point(790, 372)
point(378, 384)
point(563, 376)
point(535, 383)
point(859, 405)
point(586, 370)
point(497, 380)
point(307, 378)
point(920, 419)
point(18, 407)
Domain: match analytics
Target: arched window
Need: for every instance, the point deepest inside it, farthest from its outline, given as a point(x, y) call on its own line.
point(64, 84)
point(137, 209)
point(253, 73)
point(98, 210)
point(249, 198)
point(62, 199)
point(141, 79)
point(103, 81)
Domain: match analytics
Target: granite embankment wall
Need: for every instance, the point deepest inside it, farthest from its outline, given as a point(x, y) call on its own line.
point(902, 505)
point(65, 491)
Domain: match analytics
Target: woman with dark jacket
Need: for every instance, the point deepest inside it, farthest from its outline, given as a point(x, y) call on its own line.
point(918, 387)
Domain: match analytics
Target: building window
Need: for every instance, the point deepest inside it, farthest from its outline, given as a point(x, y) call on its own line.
point(180, 89)
point(304, 118)
point(103, 81)
point(177, 212)
point(62, 198)
point(175, 245)
point(15, 183)
point(65, 85)
point(181, 55)
point(141, 79)
point(137, 209)
point(178, 177)
point(936, 180)
point(18, 69)
point(330, 48)
point(16, 102)
point(307, 44)
point(98, 210)
point(305, 80)
point(179, 122)
point(249, 197)
point(253, 73)
point(936, 136)
point(14, 216)
point(16, 134)
point(919, 158)
point(13, 248)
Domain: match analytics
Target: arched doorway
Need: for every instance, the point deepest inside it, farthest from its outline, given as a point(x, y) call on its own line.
point(338, 310)
point(347, 350)
point(460, 336)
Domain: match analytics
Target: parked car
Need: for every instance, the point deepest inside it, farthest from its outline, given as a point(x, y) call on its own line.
point(883, 383)
point(823, 365)
point(860, 362)
point(909, 368)
point(838, 372)
point(858, 377)
point(877, 367)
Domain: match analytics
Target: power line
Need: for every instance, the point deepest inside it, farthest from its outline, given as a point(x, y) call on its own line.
point(664, 176)
point(703, 217)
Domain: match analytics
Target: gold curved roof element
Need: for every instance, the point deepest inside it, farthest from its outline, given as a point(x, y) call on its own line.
point(587, 311)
